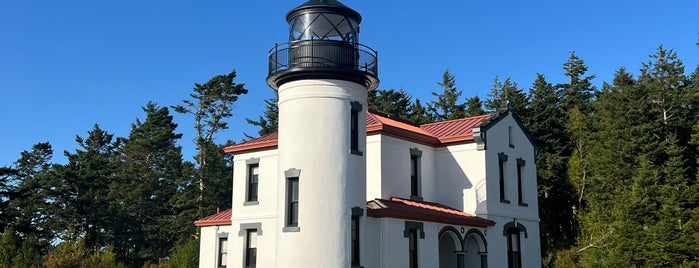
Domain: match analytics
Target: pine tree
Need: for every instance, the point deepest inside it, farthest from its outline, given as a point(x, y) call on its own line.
point(84, 189)
point(391, 101)
point(419, 114)
point(151, 164)
point(447, 106)
point(507, 94)
point(474, 106)
point(211, 104)
point(546, 125)
point(269, 121)
point(579, 91)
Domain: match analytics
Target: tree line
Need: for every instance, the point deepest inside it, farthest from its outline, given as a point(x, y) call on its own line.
point(617, 166)
point(121, 201)
point(617, 169)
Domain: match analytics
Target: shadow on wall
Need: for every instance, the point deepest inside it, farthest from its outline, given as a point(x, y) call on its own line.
point(451, 182)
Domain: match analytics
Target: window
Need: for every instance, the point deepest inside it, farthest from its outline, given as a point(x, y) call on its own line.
point(356, 107)
point(412, 248)
point(357, 212)
point(520, 169)
point(251, 249)
point(292, 200)
point(413, 231)
point(502, 158)
point(509, 136)
point(415, 155)
point(514, 255)
point(222, 252)
point(253, 177)
point(355, 241)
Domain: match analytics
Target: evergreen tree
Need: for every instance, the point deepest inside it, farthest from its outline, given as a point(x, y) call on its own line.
point(269, 122)
point(665, 83)
point(504, 94)
point(84, 189)
point(211, 104)
point(447, 106)
point(391, 101)
point(151, 164)
point(419, 114)
point(579, 91)
point(31, 207)
point(546, 125)
point(474, 106)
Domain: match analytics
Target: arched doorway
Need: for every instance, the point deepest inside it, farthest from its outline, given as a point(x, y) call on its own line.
point(475, 249)
point(449, 245)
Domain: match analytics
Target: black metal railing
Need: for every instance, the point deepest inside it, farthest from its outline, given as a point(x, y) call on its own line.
point(323, 54)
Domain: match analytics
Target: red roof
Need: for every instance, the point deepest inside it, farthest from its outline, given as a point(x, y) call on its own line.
point(435, 134)
point(423, 211)
point(221, 218)
point(455, 130)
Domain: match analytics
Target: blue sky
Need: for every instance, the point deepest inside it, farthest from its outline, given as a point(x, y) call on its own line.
point(67, 65)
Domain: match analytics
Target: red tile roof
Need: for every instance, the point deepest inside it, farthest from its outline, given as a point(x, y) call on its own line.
point(423, 211)
point(221, 218)
point(435, 134)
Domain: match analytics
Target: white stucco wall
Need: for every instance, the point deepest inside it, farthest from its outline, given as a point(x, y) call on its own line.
point(208, 246)
point(314, 137)
point(502, 213)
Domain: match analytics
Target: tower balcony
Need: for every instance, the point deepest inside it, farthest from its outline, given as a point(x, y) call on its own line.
point(323, 59)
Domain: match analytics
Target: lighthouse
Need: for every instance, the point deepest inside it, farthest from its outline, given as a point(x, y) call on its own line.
point(322, 75)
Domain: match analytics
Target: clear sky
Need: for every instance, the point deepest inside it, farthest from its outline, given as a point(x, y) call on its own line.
point(67, 65)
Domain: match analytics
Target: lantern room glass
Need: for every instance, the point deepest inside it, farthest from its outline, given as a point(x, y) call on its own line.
point(323, 26)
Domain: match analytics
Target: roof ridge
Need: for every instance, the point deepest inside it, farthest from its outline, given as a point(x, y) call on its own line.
point(456, 120)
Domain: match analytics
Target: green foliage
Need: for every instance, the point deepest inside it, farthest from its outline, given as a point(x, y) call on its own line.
point(73, 254)
point(269, 122)
point(447, 106)
point(391, 101)
point(419, 114)
point(579, 91)
point(151, 165)
point(474, 107)
point(186, 254)
point(211, 104)
point(507, 94)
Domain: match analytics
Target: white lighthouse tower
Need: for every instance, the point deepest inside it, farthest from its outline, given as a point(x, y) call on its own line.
point(322, 76)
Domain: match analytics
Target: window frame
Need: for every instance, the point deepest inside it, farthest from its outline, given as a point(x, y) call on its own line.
point(249, 249)
point(222, 248)
point(355, 237)
point(249, 200)
point(415, 174)
point(413, 232)
point(355, 109)
point(291, 217)
point(520, 190)
point(502, 160)
point(514, 257)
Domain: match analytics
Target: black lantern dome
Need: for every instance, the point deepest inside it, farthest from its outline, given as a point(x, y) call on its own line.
point(323, 44)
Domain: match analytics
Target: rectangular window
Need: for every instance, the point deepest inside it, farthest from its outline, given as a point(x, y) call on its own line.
point(253, 180)
point(412, 248)
point(415, 171)
point(502, 158)
point(520, 169)
point(222, 252)
point(251, 249)
point(514, 255)
point(355, 241)
point(509, 137)
point(292, 218)
point(355, 108)
point(413, 175)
